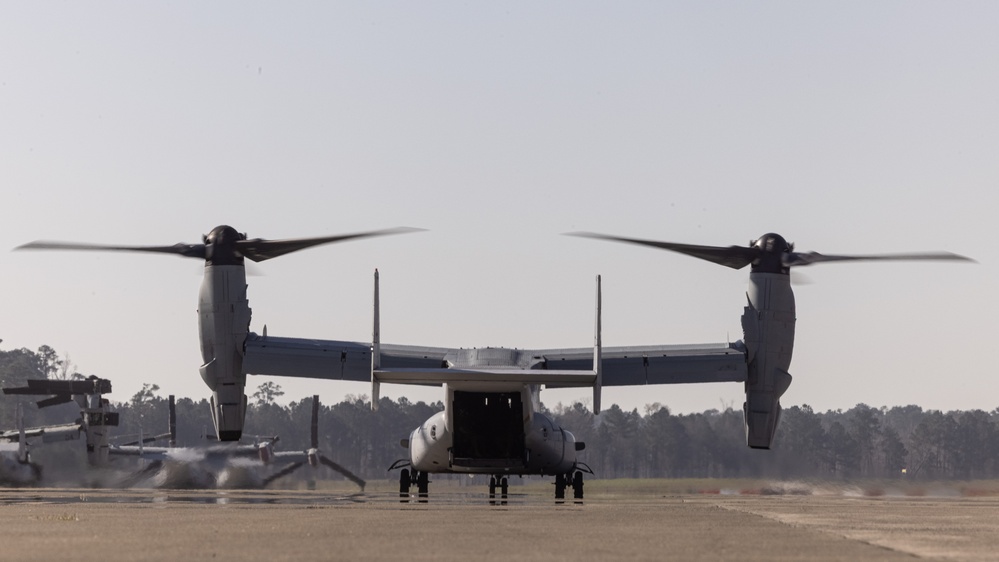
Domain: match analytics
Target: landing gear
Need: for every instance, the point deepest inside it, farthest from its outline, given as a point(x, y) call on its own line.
point(577, 485)
point(404, 484)
point(504, 486)
point(406, 481)
point(423, 486)
point(563, 481)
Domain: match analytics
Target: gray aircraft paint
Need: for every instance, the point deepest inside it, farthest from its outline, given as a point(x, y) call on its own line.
point(224, 322)
point(768, 329)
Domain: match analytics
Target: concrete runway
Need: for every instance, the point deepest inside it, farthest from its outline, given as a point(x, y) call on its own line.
point(86, 524)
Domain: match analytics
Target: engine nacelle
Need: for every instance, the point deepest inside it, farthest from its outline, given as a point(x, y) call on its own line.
point(228, 412)
point(223, 322)
point(768, 330)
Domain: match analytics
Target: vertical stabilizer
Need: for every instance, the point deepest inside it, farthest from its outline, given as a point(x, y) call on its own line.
point(376, 352)
point(22, 445)
point(314, 429)
point(597, 356)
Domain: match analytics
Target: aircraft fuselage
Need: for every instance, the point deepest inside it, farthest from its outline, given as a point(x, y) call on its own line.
point(492, 429)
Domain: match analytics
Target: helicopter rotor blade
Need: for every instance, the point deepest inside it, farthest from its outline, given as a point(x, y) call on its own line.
point(259, 249)
point(735, 257)
point(283, 472)
point(808, 258)
point(145, 440)
point(346, 473)
point(180, 249)
point(136, 477)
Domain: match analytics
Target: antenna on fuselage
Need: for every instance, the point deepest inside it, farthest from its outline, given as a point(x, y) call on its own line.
point(597, 356)
point(376, 352)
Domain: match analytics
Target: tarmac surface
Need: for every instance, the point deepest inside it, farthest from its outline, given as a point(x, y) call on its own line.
point(88, 524)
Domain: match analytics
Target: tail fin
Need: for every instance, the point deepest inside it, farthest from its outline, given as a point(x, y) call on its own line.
point(376, 351)
point(315, 422)
point(597, 356)
point(22, 444)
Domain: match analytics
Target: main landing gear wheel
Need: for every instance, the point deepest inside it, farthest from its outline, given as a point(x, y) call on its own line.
point(560, 487)
point(504, 486)
point(423, 486)
point(404, 484)
point(563, 481)
point(577, 485)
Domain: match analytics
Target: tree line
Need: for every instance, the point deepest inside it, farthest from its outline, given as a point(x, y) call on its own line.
point(862, 442)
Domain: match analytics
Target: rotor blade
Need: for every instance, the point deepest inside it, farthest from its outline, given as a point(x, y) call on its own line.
point(283, 472)
point(259, 249)
point(808, 258)
point(145, 440)
point(136, 477)
point(348, 474)
point(735, 257)
point(55, 400)
point(315, 421)
point(181, 249)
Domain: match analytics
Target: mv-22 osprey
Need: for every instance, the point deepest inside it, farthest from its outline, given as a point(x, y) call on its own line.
point(492, 422)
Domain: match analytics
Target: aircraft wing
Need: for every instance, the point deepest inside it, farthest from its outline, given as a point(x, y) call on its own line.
point(622, 366)
point(573, 367)
point(184, 454)
point(291, 456)
point(151, 453)
point(655, 364)
point(330, 359)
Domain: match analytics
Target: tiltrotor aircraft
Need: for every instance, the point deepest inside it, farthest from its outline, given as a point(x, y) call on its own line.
point(223, 310)
point(491, 423)
point(225, 465)
point(95, 414)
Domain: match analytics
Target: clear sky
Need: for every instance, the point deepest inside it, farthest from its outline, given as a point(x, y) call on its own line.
point(848, 127)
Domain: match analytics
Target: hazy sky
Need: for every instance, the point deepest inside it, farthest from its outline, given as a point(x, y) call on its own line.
point(848, 127)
